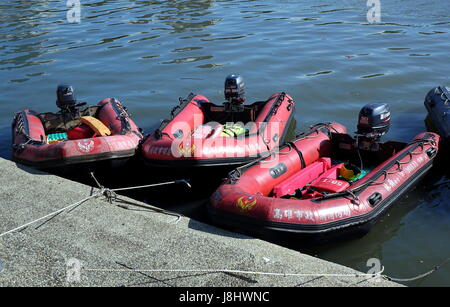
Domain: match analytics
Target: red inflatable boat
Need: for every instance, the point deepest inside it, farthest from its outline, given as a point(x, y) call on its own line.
point(307, 193)
point(71, 137)
point(201, 133)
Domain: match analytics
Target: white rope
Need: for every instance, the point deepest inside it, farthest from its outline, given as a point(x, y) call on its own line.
point(437, 267)
point(152, 185)
point(108, 193)
point(371, 276)
point(239, 272)
point(51, 214)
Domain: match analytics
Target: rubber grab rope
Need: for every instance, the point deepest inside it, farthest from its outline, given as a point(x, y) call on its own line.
point(235, 174)
point(173, 113)
point(300, 154)
point(121, 111)
point(444, 95)
point(19, 122)
point(122, 115)
point(384, 173)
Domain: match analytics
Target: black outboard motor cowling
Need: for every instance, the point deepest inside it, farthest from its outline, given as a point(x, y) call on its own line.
point(234, 89)
point(65, 97)
point(234, 94)
point(374, 120)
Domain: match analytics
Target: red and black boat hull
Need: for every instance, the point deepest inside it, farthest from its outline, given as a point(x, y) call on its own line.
point(243, 202)
point(29, 147)
point(172, 145)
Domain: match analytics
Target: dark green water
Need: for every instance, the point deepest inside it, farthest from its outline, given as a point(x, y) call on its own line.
point(324, 53)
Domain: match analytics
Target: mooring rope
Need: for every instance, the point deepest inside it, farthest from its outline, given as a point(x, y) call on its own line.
point(110, 196)
point(230, 271)
point(153, 185)
point(51, 214)
point(437, 267)
point(370, 275)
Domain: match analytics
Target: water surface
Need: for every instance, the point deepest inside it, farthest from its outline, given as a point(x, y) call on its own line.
point(323, 53)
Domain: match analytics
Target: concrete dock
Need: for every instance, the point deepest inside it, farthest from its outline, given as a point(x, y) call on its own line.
point(103, 244)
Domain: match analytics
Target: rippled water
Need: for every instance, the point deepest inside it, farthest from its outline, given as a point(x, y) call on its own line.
point(324, 53)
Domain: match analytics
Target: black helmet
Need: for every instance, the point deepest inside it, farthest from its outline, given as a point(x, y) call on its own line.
point(65, 96)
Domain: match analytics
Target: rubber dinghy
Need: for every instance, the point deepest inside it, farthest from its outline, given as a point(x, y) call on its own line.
point(315, 191)
point(437, 103)
point(201, 133)
point(74, 136)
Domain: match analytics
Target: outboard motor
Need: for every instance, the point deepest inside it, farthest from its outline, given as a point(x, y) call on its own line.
point(65, 97)
point(67, 102)
point(234, 93)
point(373, 122)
